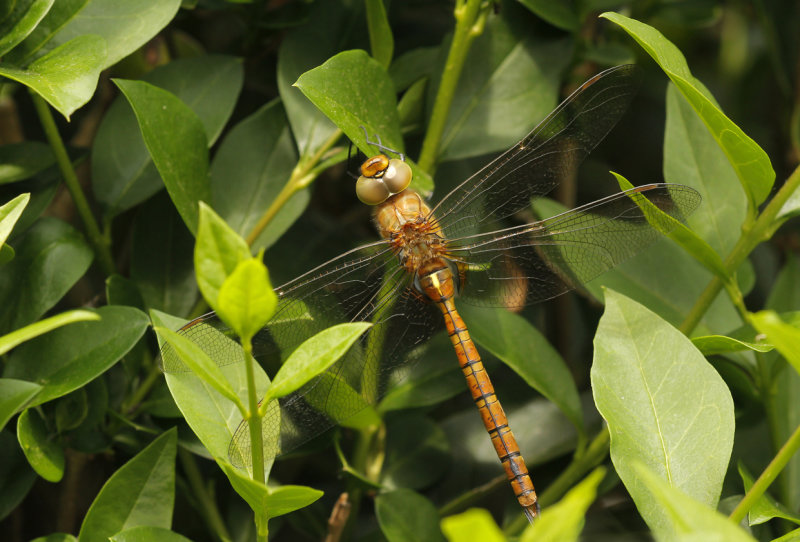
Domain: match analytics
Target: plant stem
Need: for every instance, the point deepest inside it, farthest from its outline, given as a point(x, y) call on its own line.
point(253, 416)
point(100, 243)
point(302, 175)
point(768, 476)
point(752, 235)
point(209, 508)
point(473, 495)
point(470, 20)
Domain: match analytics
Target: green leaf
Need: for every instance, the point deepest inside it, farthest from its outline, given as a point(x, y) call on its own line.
point(19, 161)
point(711, 345)
point(123, 173)
point(313, 357)
point(126, 26)
point(19, 336)
point(72, 410)
point(51, 257)
point(20, 21)
point(665, 406)
point(417, 453)
point(217, 253)
point(200, 363)
point(69, 357)
point(765, 508)
point(512, 83)
point(749, 161)
point(563, 522)
point(474, 524)
point(520, 346)
point(146, 534)
point(404, 515)
point(176, 140)
point(791, 208)
point(7, 254)
point(162, 254)
point(337, 88)
point(246, 299)
point(785, 337)
point(141, 492)
point(381, 41)
point(16, 476)
point(67, 76)
point(10, 213)
point(259, 153)
point(685, 518)
point(14, 396)
point(56, 537)
point(44, 455)
point(123, 291)
point(559, 14)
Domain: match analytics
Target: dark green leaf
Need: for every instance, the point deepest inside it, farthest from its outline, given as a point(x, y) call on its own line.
point(474, 524)
point(123, 291)
point(141, 492)
point(51, 257)
point(72, 410)
point(56, 537)
point(14, 396)
point(246, 299)
point(176, 140)
point(44, 455)
point(123, 172)
point(380, 33)
point(404, 515)
point(665, 406)
point(69, 357)
point(7, 254)
point(16, 477)
point(20, 21)
point(19, 161)
point(412, 66)
point(417, 453)
point(559, 14)
point(147, 534)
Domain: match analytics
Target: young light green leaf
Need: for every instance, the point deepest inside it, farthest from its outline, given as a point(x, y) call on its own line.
point(520, 346)
point(44, 454)
point(200, 363)
point(711, 345)
point(563, 522)
point(10, 213)
point(69, 357)
point(785, 337)
point(337, 88)
point(314, 356)
point(141, 492)
point(381, 41)
point(750, 162)
point(176, 140)
point(285, 499)
point(216, 254)
point(246, 299)
point(20, 161)
point(14, 396)
point(19, 336)
point(684, 517)
point(665, 406)
point(145, 533)
point(406, 516)
point(765, 508)
point(24, 17)
point(474, 524)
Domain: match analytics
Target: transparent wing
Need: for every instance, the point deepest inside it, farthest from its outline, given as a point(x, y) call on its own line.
point(535, 165)
point(538, 261)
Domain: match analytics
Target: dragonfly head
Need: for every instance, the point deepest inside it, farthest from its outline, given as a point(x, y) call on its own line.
point(382, 177)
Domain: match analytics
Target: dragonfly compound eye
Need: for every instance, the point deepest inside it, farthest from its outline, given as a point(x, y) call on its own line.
point(375, 166)
point(371, 191)
point(397, 176)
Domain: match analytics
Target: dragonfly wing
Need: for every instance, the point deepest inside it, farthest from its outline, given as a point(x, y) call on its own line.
point(535, 165)
point(538, 261)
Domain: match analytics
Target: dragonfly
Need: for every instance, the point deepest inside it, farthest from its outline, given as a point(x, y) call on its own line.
point(465, 249)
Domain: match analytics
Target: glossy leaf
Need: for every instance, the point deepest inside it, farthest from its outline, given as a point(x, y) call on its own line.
point(19, 161)
point(66, 77)
point(684, 517)
point(14, 396)
point(23, 18)
point(258, 153)
point(558, 14)
point(217, 253)
point(785, 337)
point(711, 345)
point(69, 357)
point(765, 508)
point(51, 257)
point(43, 454)
point(146, 533)
point(314, 356)
point(404, 515)
point(123, 173)
point(474, 524)
point(141, 492)
point(665, 406)
point(246, 299)
point(176, 140)
point(563, 522)
point(417, 453)
point(749, 161)
point(19, 336)
point(337, 88)
point(520, 346)
point(10, 213)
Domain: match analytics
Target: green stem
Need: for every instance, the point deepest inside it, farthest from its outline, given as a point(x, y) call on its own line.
point(253, 415)
point(100, 243)
point(141, 392)
point(210, 512)
point(303, 174)
point(470, 19)
point(768, 476)
point(752, 235)
point(472, 496)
